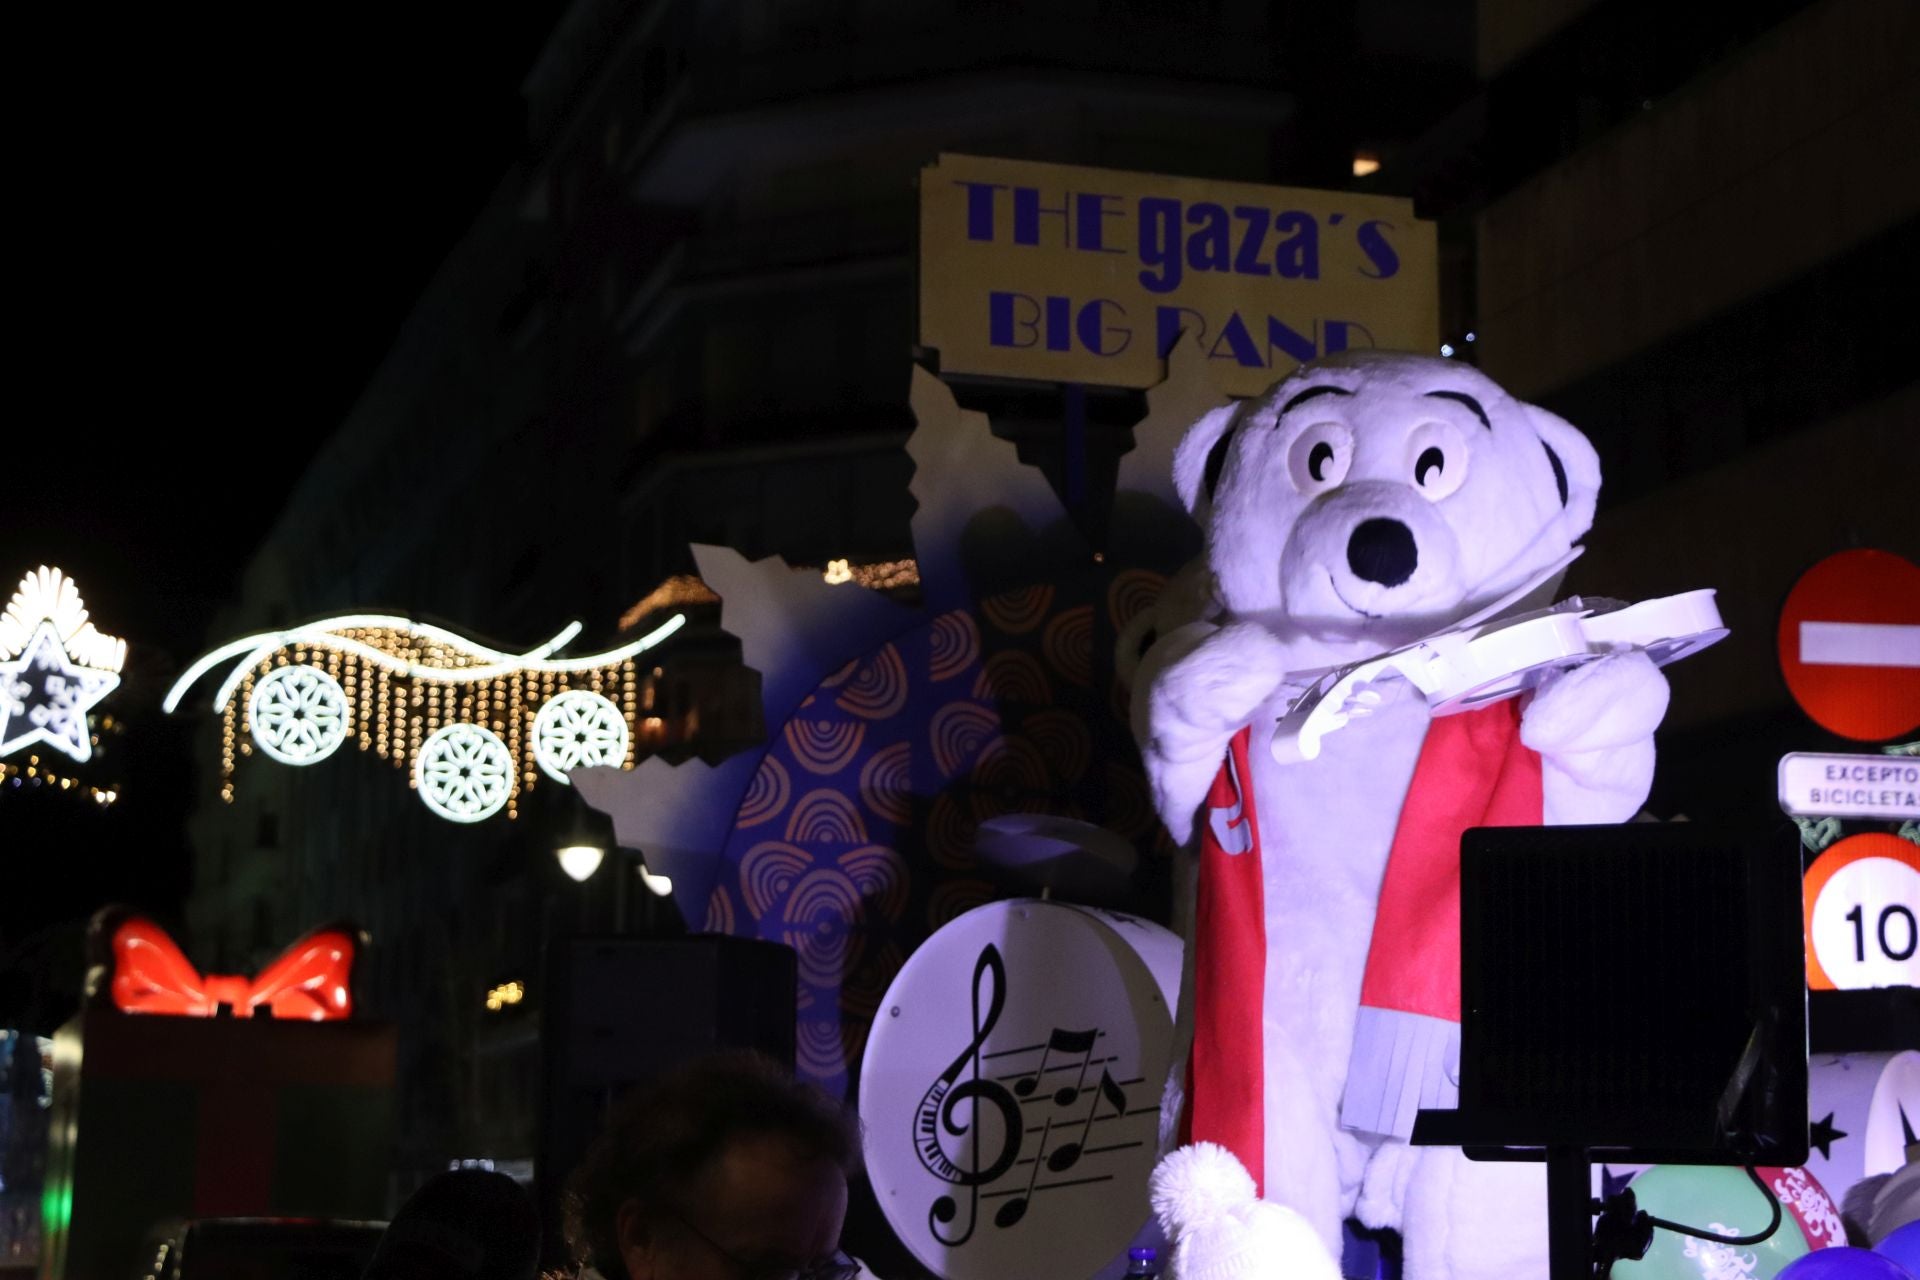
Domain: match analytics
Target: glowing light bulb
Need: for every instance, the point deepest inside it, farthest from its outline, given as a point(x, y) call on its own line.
point(581, 860)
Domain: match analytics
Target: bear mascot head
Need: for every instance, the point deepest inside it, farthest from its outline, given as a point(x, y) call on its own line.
point(1367, 501)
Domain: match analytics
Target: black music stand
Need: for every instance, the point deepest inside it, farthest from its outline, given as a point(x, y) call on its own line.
point(1634, 993)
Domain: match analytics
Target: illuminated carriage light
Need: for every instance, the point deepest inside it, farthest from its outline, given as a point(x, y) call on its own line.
point(578, 729)
point(257, 648)
point(298, 715)
point(659, 886)
point(464, 773)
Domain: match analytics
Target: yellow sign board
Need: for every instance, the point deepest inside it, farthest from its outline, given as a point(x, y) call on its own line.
point(1066, 274)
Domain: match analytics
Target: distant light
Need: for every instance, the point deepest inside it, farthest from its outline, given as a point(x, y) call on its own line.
point(504, 995)
point(581, 860)
point(660, 886)
point(1365, 163)
point(1446, 349)
point(837, 571)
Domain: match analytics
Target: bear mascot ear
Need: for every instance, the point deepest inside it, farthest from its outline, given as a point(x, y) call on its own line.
point(1200, 455)
point(1576, 470)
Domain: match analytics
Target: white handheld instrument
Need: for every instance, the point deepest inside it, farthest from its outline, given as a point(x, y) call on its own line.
point(1471, 666)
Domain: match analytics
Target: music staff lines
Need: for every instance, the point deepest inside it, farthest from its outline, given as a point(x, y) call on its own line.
point(1090, 1151)
point(970, 1126)
point(1045, 1186)
point(1065, 1066)
point(1029, 1048)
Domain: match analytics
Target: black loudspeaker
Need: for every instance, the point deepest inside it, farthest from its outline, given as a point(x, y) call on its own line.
point(1638, 990)
point(1635, 992)
point(620, 1011)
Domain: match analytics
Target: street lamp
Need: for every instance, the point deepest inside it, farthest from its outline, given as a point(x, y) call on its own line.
point(580, 860)
point(585, 840)
point(585, 836)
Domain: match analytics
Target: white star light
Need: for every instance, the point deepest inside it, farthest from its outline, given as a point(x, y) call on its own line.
point(44, 697)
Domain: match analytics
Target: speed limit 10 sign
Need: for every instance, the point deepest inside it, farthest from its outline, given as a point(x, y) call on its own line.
point(1863, 914)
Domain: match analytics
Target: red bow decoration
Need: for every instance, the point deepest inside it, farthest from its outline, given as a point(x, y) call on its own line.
point(309, 981)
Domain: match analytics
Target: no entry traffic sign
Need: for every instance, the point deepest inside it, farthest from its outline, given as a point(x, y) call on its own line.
point(1850, 644)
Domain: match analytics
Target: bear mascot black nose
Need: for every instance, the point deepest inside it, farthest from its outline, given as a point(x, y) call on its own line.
point(1382, 551)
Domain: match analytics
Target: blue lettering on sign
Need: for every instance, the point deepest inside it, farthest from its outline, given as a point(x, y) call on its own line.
point(980, 208)
point(1027, 212)
point(1094, 337)
point(1298, 257)
point(1099, 327)
point(1091, 211)
point(1019, 321)
point(1340, 335)
point(1234, 340)
point(1373, 242)
point(1174, 238)
point(1209, 248)
point(1252, 240)
point(1213, 242)
point(1003, 322)
point(1160, 243)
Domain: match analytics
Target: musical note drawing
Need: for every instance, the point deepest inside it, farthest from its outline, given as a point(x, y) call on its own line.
point(1069, 1155)
point(937, 1112)
point(957, 1144)
point(1015, 1209)
point(1080, 1042)
point(1063, 1157)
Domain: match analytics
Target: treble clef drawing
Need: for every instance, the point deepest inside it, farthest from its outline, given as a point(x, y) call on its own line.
point(938, 1113)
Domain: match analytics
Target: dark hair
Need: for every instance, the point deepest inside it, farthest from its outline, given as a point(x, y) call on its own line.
point(665, 1132)
point(462, 1224)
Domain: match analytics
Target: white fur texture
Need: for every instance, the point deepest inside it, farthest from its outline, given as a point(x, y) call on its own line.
point(1205, 1201)
point(1284, 591)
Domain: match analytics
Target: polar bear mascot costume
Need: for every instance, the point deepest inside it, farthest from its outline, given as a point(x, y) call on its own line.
point(1366, 501)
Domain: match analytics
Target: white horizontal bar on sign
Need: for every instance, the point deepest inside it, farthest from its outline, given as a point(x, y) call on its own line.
point(1859, 644)
point(1824, 785)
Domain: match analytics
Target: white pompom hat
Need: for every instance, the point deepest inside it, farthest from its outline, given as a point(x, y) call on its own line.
point(1221, 1230)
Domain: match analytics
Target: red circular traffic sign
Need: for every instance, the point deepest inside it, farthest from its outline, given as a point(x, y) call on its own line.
point(1850, 644)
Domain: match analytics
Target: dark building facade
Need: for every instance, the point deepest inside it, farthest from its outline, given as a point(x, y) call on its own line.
point(688, 317)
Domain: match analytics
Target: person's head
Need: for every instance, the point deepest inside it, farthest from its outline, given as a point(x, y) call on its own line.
point(726, 1169)
point(464, 1224)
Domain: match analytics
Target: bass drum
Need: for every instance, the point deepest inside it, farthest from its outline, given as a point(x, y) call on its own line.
point(1010, 1090)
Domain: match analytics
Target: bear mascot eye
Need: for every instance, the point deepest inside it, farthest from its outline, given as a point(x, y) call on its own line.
point(1438, 457)
point(1431, 460)
point(1319, 456)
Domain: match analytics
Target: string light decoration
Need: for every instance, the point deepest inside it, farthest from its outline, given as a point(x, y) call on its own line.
point(55, 665)
point(472, 727)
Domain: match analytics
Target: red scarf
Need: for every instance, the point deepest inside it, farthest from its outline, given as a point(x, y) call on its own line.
point(1473, 771)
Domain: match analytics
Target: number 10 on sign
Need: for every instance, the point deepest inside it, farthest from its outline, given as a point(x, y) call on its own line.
point(1863, 915)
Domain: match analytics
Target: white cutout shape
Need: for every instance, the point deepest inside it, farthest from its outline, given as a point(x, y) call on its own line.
point(298, 714)
point(576, 729)
point(44, 697)
point(464, 773)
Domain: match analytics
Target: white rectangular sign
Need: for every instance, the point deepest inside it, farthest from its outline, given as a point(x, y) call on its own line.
point(1817, 785)
point(1859, 644)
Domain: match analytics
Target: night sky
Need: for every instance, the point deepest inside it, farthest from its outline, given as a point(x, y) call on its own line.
point(221, 219)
